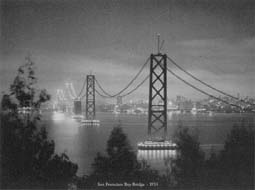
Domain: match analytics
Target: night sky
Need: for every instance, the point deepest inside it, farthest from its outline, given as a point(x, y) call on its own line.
point(213, 39)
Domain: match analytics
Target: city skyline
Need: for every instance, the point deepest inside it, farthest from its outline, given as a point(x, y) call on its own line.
point(112, 39)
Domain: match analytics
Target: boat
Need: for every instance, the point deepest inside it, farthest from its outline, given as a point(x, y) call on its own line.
point(87, 122)
point(157, 145)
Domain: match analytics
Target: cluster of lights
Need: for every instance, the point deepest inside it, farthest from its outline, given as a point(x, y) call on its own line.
point(91, 122)
point(150, 145)
point(24, 110)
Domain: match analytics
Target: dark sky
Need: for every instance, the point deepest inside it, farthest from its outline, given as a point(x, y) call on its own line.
point(213, 39)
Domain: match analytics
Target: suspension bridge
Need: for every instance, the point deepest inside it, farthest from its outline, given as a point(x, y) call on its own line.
point(159, 66)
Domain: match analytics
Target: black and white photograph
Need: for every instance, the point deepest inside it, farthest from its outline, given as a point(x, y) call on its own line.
point(127, 94)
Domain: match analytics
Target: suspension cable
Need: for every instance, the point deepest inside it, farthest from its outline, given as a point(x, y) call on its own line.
point(130, 92)
point(58, 95)
point(101, 88)
point(69, 92)
point(83, 86)
point(82, 96)
point(127, 86)
point(202, 91)
point(73, 90)
point(206, 84)
point(103, 96)
point(62, 94)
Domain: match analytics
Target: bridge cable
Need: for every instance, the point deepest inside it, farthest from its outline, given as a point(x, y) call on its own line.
point(128, 93)
point(73, 90)
point(135, 77)
point(62, 94)
point(206, 84)
point(83, 86)
point(202, 91)
point(83, 96)
point(69, 92)
point(103, 96)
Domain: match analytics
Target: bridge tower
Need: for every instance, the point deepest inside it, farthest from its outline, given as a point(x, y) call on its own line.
point(90, 103)
point(157, 112)
point(90, 98)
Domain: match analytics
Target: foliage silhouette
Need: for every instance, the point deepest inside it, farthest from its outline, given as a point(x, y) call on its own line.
point(120, 165)
point(187, 167)
point(234, 165)
point(28, 159)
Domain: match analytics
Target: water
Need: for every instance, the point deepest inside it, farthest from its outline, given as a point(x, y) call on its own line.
point(82, 143)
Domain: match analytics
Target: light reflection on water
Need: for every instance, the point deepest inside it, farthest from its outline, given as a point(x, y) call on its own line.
point(159, 155)
point(58, 116)
point(82, 143)
point(156, 158)
point(69, 125)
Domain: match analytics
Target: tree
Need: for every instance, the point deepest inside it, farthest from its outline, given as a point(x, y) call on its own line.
point(186, 168)
point(27, 155)
point(121, 162)
point(236, 161)
point(122, 159)
point(120, 165)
